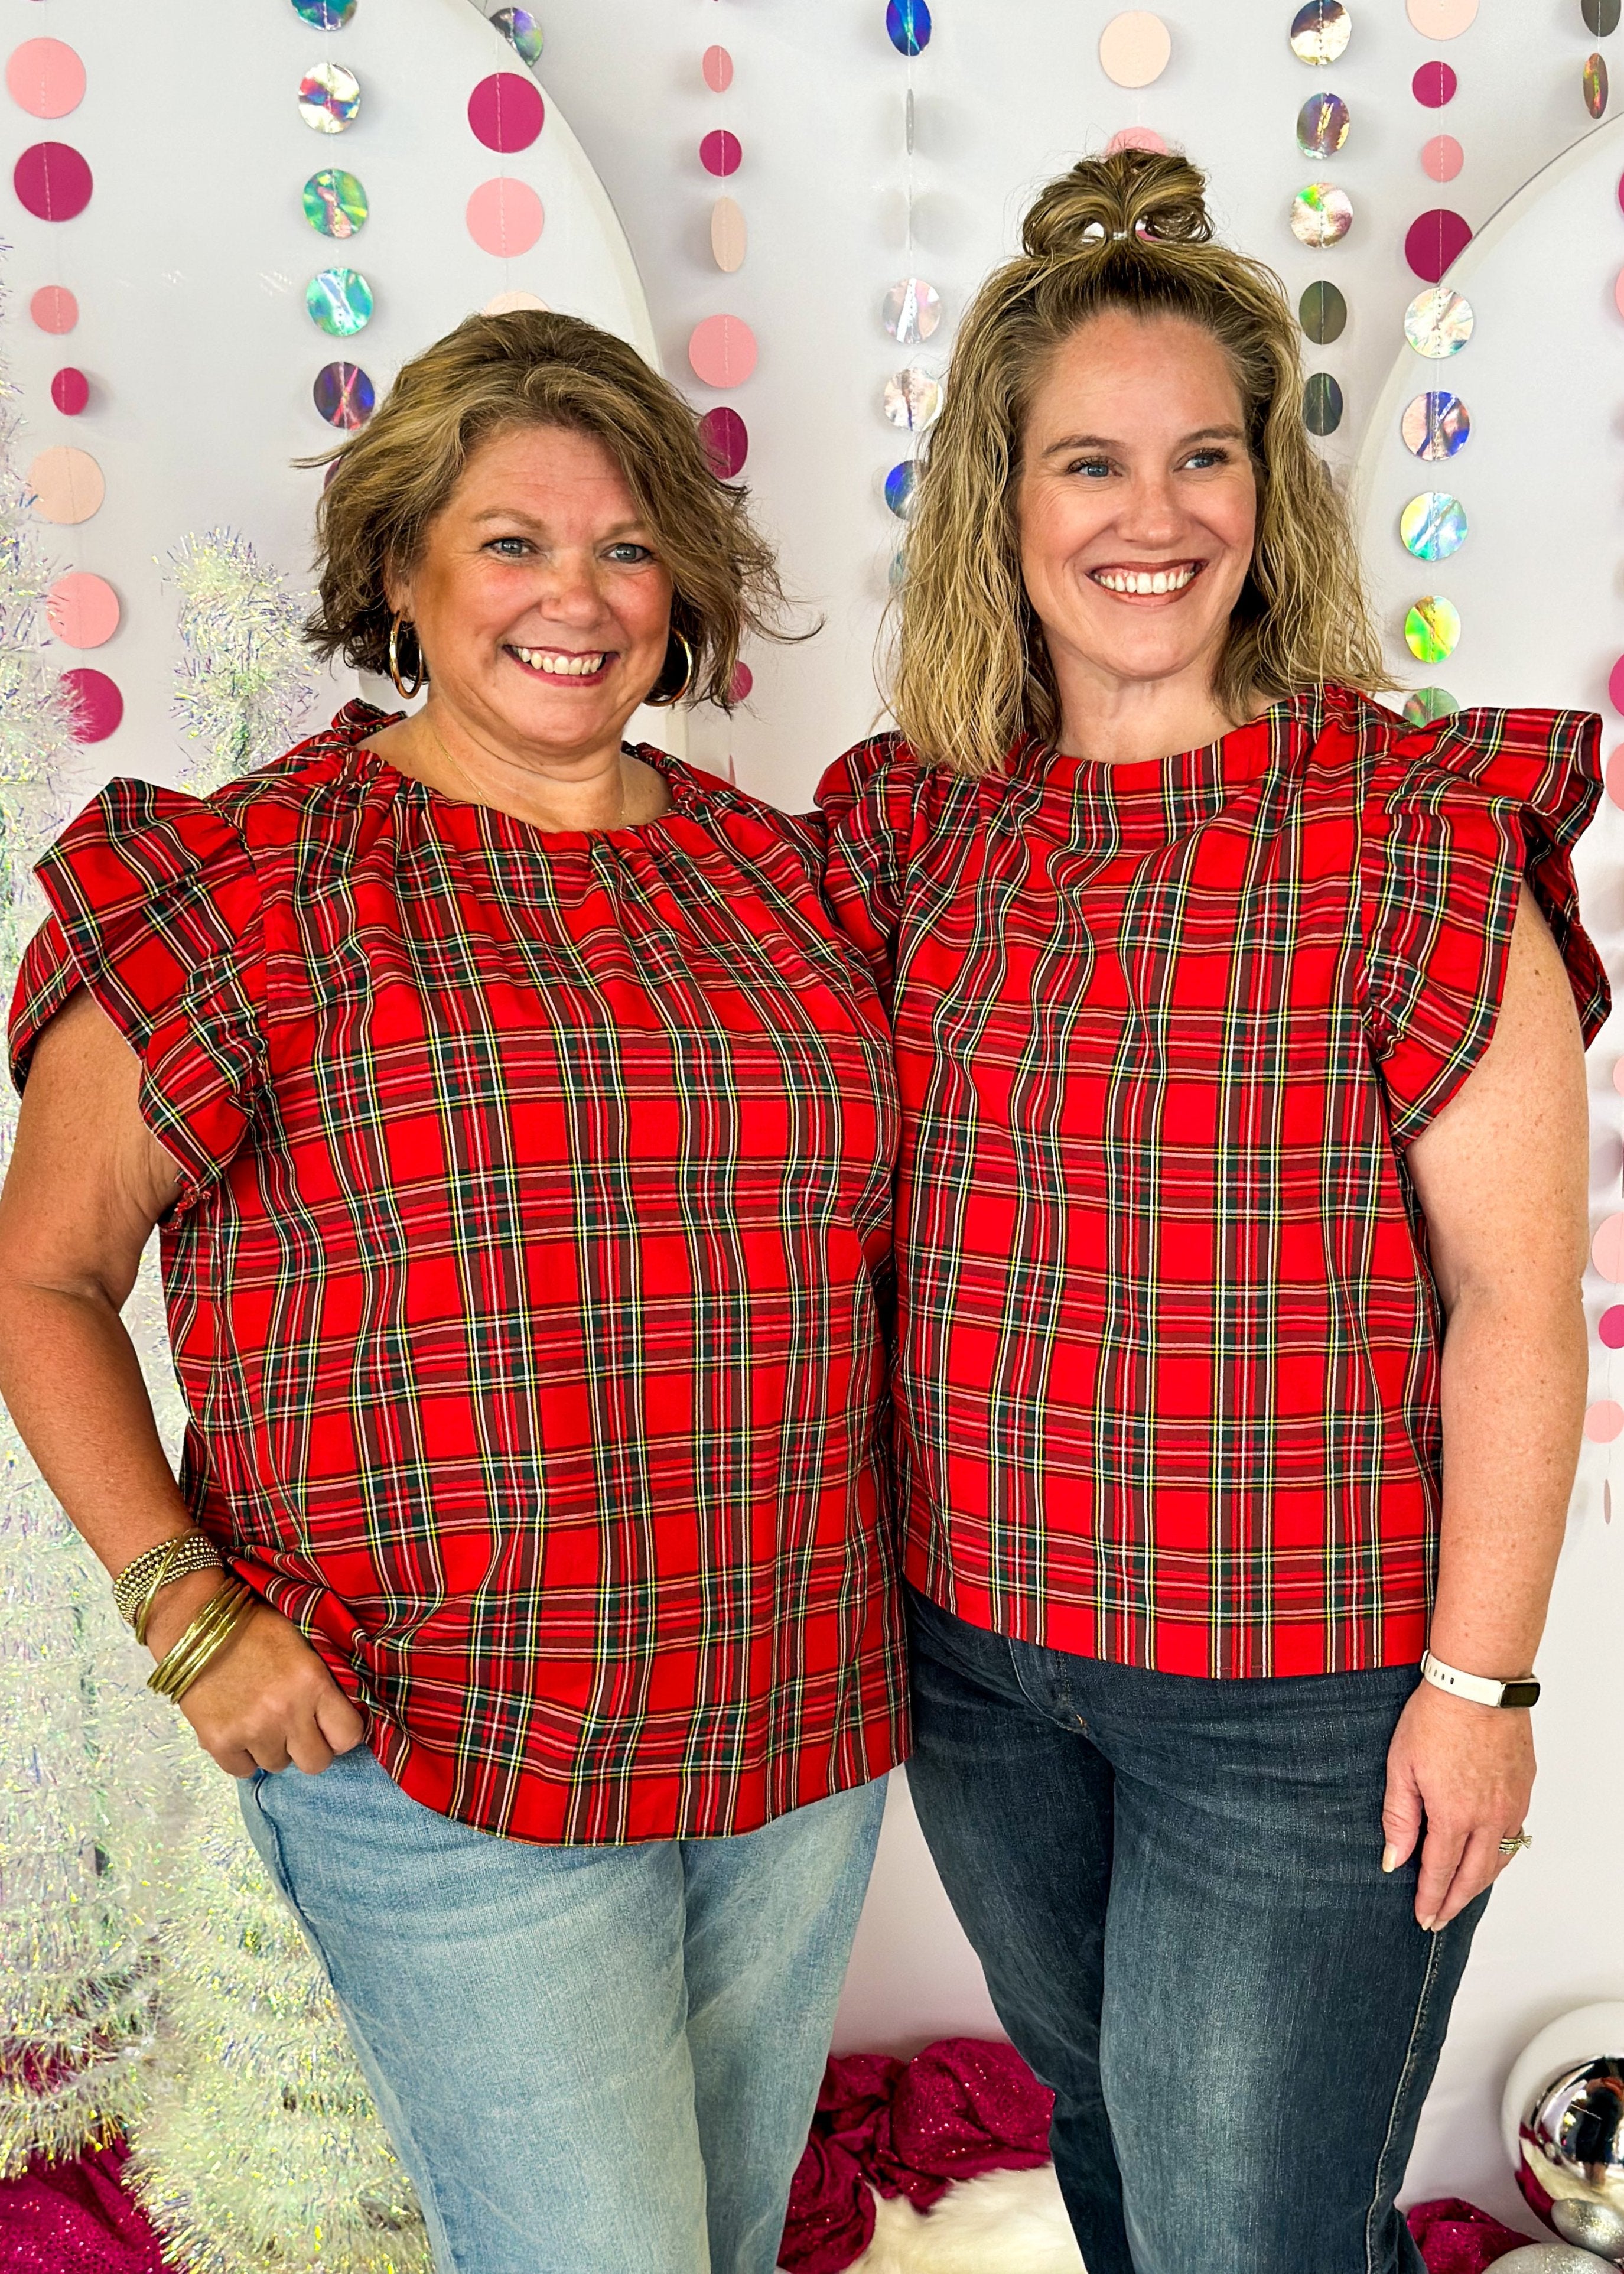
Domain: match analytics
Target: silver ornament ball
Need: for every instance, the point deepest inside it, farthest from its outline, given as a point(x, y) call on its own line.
point(1548, 2258)
point(1572, 2142)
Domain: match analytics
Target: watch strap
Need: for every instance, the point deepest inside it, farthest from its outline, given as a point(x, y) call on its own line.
point(1481, 1688)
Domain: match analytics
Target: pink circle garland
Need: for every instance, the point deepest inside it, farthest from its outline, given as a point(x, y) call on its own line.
point(1610, 1327)
point(82, 610)
point(1442, 158)
point(721, 153)
point(54, 309)
point(52, 181)
point(1607, 1249)
point(1434, 240)
point(70, 391)
point(726, 442)
point(1604, 1420)
point(722, 351)
point(507, 112)
point(1615, 685)
point(504, 217)
point(98, 706)
point(1433, 85)
point(718, 66)
point(45, 78)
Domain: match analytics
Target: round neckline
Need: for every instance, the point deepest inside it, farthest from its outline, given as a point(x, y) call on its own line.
point(1182, 769)
point(689, 799)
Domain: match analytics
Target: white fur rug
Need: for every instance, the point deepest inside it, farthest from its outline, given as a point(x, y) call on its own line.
point(1008, 2223)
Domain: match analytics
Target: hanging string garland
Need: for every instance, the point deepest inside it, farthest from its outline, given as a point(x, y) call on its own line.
point(1604, 1417)
point(911, 307)
point(338, 300)
point(1321, 213)
point(1601, 21)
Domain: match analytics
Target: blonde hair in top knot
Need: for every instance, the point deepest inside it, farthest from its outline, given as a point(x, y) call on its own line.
point(969, 672)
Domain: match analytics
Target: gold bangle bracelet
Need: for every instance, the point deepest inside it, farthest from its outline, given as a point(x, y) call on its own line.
point(140, 1583)
point(203, 1640)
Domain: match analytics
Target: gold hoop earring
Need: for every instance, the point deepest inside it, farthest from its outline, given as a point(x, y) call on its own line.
point(420, 677)
point(665, 702)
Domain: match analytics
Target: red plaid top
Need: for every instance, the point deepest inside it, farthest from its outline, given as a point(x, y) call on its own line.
point(526, 1280)
point(1169, 1343)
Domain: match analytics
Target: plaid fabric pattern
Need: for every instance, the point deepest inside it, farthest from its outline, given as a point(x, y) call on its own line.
point(1168, 1341)
point(527, 1284)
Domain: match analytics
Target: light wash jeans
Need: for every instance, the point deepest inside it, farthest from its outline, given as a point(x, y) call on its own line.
point(592, 2061)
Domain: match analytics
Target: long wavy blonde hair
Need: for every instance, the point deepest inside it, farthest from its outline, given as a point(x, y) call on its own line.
point(969, 671)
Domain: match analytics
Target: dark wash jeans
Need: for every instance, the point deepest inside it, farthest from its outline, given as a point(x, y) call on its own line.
point(1174, 1887)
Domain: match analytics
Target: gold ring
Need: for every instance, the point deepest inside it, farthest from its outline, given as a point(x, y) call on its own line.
point(1515, 1842)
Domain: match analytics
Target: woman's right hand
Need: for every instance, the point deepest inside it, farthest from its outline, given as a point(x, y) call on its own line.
point(268, 1701)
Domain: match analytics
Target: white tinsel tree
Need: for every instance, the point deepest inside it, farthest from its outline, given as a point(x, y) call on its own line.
point(243, 681)
point(84, 1778)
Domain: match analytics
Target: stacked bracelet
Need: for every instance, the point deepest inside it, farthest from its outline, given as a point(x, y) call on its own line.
point(203, 1641)
point(140, 1583)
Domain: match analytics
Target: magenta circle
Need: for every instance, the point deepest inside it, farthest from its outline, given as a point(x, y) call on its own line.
point(726, 442)
point(506, 111)
point(1615, 685)
point(70, 391)
point(739, 688)
point(1434, 240)
point(721, 153)
point(98, 706)
point(1434, 85)
point(52, 181)
point(1610, 1328)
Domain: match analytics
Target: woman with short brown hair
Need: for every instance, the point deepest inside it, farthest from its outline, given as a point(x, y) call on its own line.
point(1241, 1218)
point(520, 1128)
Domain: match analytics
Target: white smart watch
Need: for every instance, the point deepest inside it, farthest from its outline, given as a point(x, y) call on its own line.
point(1480, 1688)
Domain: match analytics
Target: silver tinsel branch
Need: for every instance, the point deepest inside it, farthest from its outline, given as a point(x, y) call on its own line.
point(245, 681)
point(83, 1779)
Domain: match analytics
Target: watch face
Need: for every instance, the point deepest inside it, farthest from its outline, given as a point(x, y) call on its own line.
point(1519, 1693)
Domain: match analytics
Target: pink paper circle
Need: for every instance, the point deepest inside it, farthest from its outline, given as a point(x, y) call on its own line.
point(82, 610)
point(45, 78)
point(1610, 1327)
point(1135, 138)
point(504, 217)
point(1441, 20)
point(1615, 789)
point(1434, 85)
point(726, 442)
point(722, 351)
point(721, 153)
point(1442, 158)
point(1602, 1421)
point(70, 391)
point(1434, 240)
point(1617, 291)
point(740, 685)
point(1617, 1075)
point(506, 111)
point(98, 706)
point(1607, 1249)
point(1615, 685)
point(52, 181)
point(718, 67)
point(54, 308)
point(66, 486)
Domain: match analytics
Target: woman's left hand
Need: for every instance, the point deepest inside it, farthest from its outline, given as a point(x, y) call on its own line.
point(1467, 1773)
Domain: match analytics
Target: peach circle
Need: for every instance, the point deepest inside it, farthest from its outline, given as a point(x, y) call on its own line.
point(508, 304)
point(67, 485)
point(1135, 138)
point(1617, 291)
point(1607, 1249)
point(54, 308)
point(1441, 20)
point(45, 78)
point(1614, 779)
point(1604, 1421)
point(722, 351)
point(504, 217)
point(82, 610)
point(1442, 158)
point(1617, 1075)
point(1134, 48)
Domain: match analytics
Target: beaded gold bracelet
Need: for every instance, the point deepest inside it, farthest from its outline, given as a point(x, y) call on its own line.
point(203, 1640)
point(138, 1585)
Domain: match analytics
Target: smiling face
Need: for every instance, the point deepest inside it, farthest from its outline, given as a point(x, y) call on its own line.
point(1137, 508)
point(543, 608)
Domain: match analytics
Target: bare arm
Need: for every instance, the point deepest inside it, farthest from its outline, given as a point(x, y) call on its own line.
point(1501, 1176)
point(87, 1185)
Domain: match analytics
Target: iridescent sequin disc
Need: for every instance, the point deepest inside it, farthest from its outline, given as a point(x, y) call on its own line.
point(1435, 426)
point(1322, 126)
point(344, 394)
point(1322, 403)
point(339, 302)
point(1323, 313)
point(521, 28)
point(329, 97)
point(325, 15)
point(899, 487)
point(1427, 704)
point(1431, 630)
point(1439, 323)
point(912, 310)
point(1595, 85)
point(913, 399)
point(1321, 215)
point(334, 203)
point(908, 25)
point(1601, 17)
point(1320, 31)
point(1434, 525)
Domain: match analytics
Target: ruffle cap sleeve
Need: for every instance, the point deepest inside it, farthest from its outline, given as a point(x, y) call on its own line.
point(156, 909)
point(868, 800)
point(1455, 821)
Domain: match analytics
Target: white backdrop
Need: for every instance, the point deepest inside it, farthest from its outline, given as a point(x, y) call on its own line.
point(186, 124)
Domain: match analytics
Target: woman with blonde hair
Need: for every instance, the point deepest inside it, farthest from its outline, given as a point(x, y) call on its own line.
point(520, 1129)
point(1241, 1218)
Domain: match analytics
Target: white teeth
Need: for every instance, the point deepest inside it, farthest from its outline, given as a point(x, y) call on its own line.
point(1144, 580)
point(559, 666)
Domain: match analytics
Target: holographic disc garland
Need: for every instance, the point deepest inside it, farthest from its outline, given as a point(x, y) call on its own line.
point(339, 302)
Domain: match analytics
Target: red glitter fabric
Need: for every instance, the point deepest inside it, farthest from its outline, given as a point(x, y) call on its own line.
point(1457, 2238)
point(960, 2108)
point(76, 2219)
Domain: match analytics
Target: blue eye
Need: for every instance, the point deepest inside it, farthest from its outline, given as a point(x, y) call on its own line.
point(633, 554)
point(508, 548)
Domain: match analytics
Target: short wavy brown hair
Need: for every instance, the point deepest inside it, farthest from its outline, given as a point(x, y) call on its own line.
point(534, 368)
point(971, 672)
